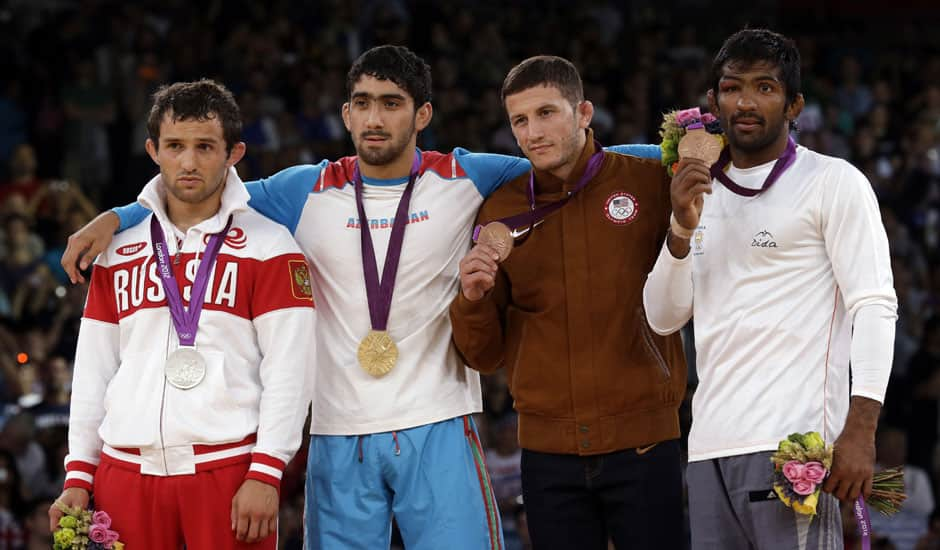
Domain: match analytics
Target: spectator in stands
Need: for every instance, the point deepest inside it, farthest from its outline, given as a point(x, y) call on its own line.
point(36, 524)
point(11, 499)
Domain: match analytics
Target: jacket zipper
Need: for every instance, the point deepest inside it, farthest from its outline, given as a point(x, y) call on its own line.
point(651, 345)
point(166, 468)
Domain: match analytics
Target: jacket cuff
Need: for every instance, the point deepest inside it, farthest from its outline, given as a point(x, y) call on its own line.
point(475, 313)
point(80, 474)
point(266, 469)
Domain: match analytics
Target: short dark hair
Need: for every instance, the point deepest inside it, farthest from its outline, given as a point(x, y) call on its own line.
point(751, 46)
point(397, 64)
point(201, 100)
point(544, 70)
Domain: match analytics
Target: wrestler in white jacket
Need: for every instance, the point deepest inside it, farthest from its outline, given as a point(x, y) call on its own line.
point(255, 333)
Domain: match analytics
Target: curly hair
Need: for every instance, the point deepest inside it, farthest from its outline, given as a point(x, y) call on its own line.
point(397, 64)
point(201, 100)
point(750, 46)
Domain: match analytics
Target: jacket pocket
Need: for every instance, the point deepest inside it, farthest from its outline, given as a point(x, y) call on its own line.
point(132, 401)
point(206, 412)
point(650, 344)
point(515, 334)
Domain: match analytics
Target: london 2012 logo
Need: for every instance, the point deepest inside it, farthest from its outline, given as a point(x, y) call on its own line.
point(621, 208)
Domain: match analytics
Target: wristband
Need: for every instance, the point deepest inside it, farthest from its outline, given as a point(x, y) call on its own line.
point(678, 230)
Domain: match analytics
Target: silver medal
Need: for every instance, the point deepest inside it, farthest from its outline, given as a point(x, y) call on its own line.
point(185, 368)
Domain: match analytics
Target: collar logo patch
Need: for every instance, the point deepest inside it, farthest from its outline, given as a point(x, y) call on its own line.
point(621, 208)
point(131, 249)
point(235, 238)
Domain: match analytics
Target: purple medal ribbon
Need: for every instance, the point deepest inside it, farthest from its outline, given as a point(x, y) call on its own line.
point(784, 162)
point(185, 322)
point(864, 522)
point(535, 215)
point(379, 294)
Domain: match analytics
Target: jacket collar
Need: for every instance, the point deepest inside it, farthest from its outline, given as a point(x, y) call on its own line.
point(234, 199)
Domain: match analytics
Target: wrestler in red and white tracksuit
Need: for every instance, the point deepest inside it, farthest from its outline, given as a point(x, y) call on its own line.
point(174, 458)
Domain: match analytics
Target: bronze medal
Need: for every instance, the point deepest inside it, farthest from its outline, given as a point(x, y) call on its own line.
point(498, 236)
point(699, 144)
point(377, 353)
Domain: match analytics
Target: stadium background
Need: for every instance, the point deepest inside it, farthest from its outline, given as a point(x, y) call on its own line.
point(76, 80)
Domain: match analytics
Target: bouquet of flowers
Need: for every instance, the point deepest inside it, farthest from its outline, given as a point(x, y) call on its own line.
point(801, 464)
point(674, 128)
point(84, 530)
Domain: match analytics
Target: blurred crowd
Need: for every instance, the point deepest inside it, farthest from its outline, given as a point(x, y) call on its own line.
point(77, 77)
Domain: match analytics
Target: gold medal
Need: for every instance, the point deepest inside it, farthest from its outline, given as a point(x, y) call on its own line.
point(699, 144)
point(498, 236)
point(377, 353)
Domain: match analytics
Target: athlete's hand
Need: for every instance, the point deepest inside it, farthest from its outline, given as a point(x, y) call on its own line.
point(692, 179)
point(478, 272)
point(853, 463)
point(853, 459)
point(74, 497)
point(86, 243)
point(254, 511)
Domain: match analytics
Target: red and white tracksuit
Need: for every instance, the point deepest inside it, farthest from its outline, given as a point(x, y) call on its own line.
point(166, 447)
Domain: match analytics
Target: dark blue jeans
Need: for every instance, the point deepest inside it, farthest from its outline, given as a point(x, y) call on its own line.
point(577, 502)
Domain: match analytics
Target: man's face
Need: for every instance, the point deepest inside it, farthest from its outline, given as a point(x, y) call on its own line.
point(548, 128)
point(192, 158)
point(382, 120)
point(752, 105)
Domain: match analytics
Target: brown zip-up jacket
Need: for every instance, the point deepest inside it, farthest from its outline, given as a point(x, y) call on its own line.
point(587, 374)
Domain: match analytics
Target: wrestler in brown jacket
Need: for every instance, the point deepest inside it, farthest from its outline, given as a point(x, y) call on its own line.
point(566, 317)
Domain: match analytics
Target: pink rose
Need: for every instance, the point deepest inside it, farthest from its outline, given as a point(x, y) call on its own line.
point(110, 538)
point(793, 471)
point(102, 519)
point(708, 118)
point(804, 487)
point(814, 472)
point(688, 116)
point(98, 533)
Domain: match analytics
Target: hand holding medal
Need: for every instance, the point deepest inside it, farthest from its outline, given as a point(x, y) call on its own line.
point(698, 143)
point(690, 134)
point(497, 236)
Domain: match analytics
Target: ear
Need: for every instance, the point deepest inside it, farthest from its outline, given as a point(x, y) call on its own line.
point(585, 112)
point(151, 148)
point(346, 116)
point(712, 102)
point(238, 151)
point(423, 116)
point(795, 108)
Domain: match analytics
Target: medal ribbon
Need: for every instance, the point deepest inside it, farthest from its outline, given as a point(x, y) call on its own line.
point(185, 321)
point(379, 294)
point(864, 522)
point(535, 215)
point(784, 162)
